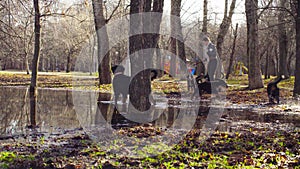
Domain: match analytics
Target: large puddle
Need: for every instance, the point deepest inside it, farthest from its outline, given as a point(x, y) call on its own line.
point(57, 112)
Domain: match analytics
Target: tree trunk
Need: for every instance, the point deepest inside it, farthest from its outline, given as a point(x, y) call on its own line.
point(179, 40)
point(267, 68)
point(26, 64)
point(226, 22)
point(68, 69)
point(102, 39)
point(296, 92)
point(254, 76)
point(200, 67)
point(35, 61)
point(159, 58)
point(139, 88)
point(174, 30)
point(177, 47)
point(224, 27)
point(205, 20)
point(283, 41)
point(141, 50)
point(232, 52)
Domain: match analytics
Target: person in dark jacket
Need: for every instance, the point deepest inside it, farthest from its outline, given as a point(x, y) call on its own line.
point(211, 51)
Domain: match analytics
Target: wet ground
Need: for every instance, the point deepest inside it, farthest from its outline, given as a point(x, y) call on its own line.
point(60, 110)
point(69, 122)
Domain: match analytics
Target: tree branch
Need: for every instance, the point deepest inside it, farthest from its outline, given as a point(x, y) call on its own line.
point(275, 25)
point(113, 12)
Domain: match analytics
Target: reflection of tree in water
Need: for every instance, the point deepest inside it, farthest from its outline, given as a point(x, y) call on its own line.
point(54, 108)
point(14, 107)
point(123, 117)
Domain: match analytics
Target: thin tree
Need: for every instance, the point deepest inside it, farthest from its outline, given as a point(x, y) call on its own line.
point(283, 41)
point(179, 39)
point(224, 27)
point(200, 68)
point(35, 60)
point(102, 43)
point(175, 13)
point(232, 51)
point(296, 92)
point(254, 74)
point(223, 30)
point(205, 20)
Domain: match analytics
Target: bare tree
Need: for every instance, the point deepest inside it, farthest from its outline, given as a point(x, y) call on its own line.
point(205, 20)
point(226, 22)
point(232, 52)
point(297, 72)
point(140, 86)
point(35, 60)
point(283, 40)
point(176, 33)
point(200, 68)
point(102, 39)
point(254, 74)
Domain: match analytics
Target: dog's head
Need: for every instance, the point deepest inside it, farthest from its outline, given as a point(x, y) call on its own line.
point(117, 68)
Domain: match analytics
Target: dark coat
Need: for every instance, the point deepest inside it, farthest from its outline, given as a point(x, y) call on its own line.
point(211, 51)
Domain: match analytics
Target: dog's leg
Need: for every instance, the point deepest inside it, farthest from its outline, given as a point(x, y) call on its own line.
point(271, 99)
point(116, 98)
point(124, 98)
point(277, 99)
point(151, 98)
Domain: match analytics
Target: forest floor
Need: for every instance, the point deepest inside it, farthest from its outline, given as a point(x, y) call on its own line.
point(254, 146)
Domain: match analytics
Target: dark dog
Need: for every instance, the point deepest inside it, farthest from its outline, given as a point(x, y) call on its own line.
point(121, 82)
point(273, 90)
point(210, 87)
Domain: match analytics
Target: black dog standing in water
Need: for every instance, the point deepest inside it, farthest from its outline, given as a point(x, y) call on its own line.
point(121, 82)
point(210, 87)
point(273, 90)
point(203, 86)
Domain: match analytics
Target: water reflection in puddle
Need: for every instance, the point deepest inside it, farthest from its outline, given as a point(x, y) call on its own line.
point(55, 110)
point(56, 113)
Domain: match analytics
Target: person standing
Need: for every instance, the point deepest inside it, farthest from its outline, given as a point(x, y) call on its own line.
point(211, 51)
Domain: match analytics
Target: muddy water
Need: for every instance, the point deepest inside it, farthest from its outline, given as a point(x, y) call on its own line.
point(56, 113)
point(55, 110)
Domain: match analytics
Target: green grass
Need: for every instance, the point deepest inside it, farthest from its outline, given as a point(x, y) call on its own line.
point(243, 80)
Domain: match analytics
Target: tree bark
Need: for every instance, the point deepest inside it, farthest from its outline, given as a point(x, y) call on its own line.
point(267, 68)
point(254, 76)
point(205, 20)
point(68, 69)
point(232, 52)
point(283, 41)
point(141, 50)
point(296, 92)
point(173, 38)
point(177, 46)
point(35, 61)
point(200, 67)
point(224, 27)
point(103, 44)
point(180, 42)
